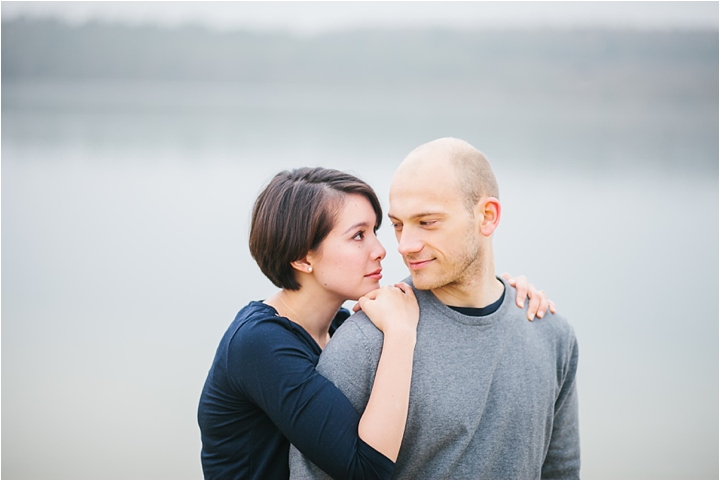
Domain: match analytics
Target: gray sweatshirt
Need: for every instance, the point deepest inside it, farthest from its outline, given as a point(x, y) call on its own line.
point(492, 397)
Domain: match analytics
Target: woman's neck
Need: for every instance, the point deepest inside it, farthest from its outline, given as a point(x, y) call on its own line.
point(312, 311)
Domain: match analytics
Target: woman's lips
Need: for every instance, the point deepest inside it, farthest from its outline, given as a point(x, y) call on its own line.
point(377, 275)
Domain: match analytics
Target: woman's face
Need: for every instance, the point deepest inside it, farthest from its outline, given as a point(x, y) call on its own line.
point(347, 262)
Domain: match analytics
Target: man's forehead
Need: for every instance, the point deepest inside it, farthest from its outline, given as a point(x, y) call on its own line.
point(413, 203)
point(426, 178)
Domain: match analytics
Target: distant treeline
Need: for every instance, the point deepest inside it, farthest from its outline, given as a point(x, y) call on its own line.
point(663, 62)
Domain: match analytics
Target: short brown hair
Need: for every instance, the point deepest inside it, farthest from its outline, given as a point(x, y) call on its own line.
point(474, 174)
point(293, 215)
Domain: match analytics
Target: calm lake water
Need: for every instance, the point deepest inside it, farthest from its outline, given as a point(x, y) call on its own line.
point(125, 212)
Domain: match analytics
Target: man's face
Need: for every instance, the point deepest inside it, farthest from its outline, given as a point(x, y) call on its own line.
point(438, 236)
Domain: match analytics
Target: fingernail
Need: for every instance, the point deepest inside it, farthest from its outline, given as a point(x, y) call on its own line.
point(541, 313)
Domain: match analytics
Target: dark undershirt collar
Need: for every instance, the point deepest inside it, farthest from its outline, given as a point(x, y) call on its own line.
point(480, 311)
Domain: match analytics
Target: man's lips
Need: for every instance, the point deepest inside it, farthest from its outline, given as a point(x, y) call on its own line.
point(377, 275)
point(413, 264)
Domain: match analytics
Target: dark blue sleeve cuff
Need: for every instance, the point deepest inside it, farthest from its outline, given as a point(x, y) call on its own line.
point(376, 465)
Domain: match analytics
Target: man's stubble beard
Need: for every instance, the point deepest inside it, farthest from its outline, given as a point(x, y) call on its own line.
point(468, 267)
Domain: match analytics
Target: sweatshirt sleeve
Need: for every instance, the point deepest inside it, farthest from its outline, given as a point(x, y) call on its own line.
point(277, 371)
point(563, 457)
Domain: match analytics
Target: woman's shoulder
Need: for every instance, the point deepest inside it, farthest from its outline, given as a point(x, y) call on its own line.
point(258, 326)
point(256, 311)
point(258, 319)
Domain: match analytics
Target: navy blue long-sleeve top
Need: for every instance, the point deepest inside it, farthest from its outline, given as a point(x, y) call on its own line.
point(263, 393)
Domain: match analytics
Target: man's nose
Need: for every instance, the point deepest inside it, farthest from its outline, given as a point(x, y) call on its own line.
point(409, 242)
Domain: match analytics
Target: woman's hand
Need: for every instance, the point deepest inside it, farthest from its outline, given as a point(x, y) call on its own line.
point(539, 303)
point(391, 307)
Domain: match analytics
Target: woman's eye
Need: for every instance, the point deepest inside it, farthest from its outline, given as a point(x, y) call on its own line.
point(359, 236)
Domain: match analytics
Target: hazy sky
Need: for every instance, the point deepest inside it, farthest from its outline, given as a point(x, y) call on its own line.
point(314, 17)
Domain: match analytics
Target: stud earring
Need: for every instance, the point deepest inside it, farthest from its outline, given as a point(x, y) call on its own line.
point(309, 269)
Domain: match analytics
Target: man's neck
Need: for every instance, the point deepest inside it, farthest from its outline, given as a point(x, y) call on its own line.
point(476, 293)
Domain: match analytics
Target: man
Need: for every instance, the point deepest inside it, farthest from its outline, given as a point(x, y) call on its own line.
point(493, 396)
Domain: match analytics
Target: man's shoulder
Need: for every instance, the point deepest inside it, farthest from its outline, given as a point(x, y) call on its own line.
point(350, 358)
point(555, 325)
point(555, 334)
point(356, 330)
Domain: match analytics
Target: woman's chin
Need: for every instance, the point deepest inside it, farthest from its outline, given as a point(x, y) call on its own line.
point(367, 287)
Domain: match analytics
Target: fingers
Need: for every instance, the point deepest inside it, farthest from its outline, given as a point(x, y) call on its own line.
point(539, 300)
point(360, 303)
point(372, 296)
point(384, 293)
point(521, 285)
point(405, 288)
point(544, 304)
point(534, 304)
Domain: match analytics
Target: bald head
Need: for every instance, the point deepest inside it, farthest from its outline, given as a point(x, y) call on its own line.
point(444, 215)
point(467, 166)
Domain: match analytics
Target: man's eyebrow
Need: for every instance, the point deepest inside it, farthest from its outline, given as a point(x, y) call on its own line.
point(422, 214)
point(356, 226)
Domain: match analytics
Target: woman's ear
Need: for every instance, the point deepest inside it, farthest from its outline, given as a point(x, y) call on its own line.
point(303, 265)
point(488, 212)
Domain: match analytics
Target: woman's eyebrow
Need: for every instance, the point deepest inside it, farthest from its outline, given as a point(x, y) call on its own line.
point(356, 226)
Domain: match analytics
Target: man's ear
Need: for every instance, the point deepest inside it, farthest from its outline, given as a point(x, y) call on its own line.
point(488, 212)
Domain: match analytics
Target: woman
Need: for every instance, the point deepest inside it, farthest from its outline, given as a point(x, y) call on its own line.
point(313, 236)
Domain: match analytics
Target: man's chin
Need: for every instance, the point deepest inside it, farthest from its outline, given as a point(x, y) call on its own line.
point(422, 282)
